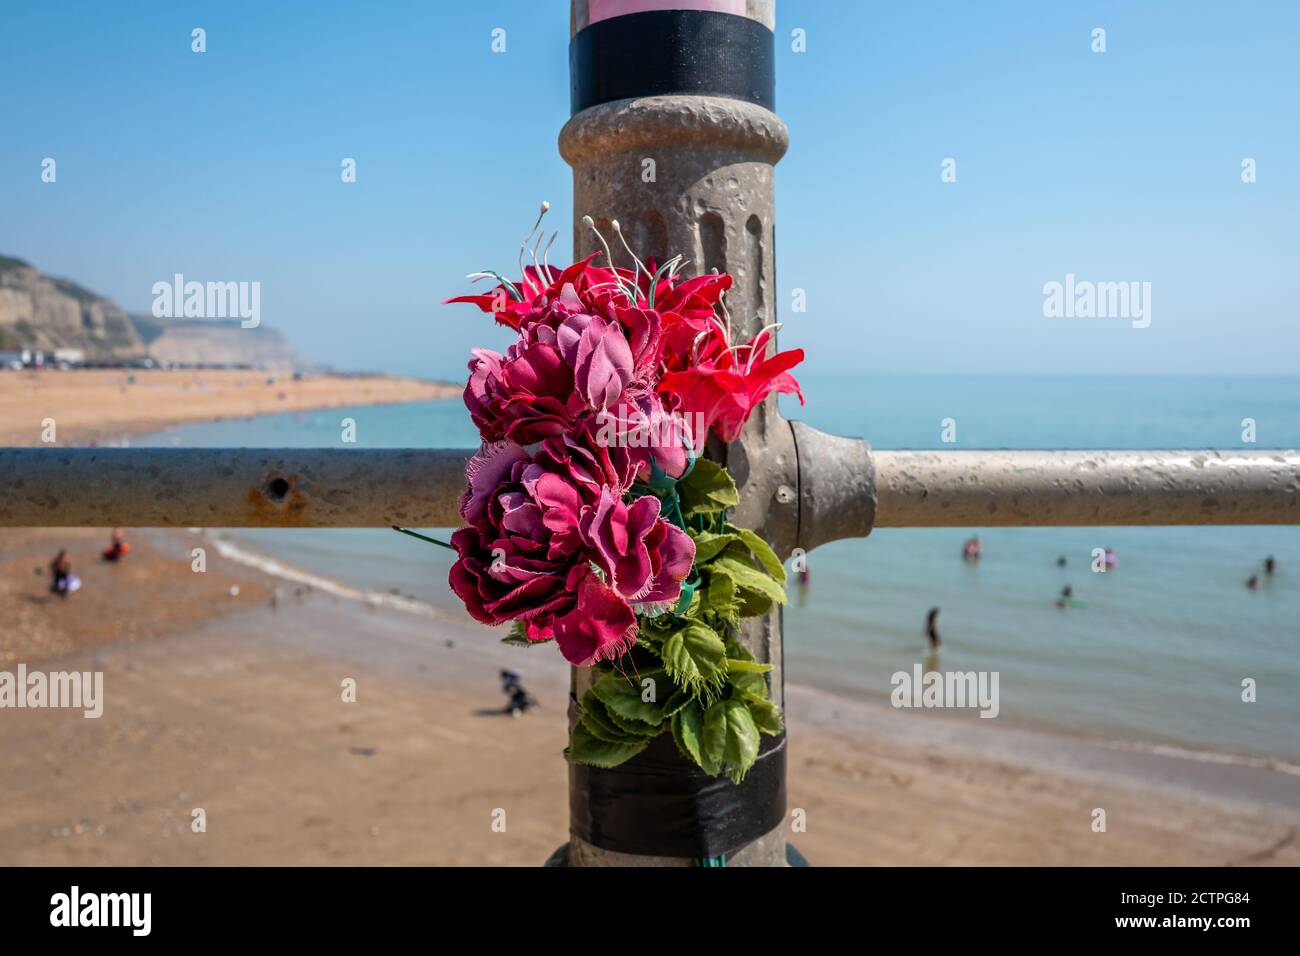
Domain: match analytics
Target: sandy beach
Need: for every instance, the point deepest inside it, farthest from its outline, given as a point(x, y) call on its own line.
point(102, 405)
point(233, 704)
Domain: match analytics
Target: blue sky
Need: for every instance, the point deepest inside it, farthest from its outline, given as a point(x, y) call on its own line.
point(1117, 166)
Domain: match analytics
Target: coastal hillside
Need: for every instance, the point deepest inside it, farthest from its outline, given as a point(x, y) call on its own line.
point(47, 313)
point(202, 342)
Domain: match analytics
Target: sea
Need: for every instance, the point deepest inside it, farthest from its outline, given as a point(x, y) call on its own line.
point(1155, 651)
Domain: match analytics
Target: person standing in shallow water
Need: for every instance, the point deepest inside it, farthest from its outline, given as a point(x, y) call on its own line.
point(932, 628)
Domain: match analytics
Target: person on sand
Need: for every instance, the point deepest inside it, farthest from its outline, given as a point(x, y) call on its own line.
point(970, 550)
point(512, 687)
point(932, 628)
point(62, 580)
point(117, 546)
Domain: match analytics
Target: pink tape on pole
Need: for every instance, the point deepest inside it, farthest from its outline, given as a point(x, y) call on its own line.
point(598, 10)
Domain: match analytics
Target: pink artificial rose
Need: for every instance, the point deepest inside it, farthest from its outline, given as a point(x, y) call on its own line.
point(601, 626)
point(640, 427)
point(644, 558)
point(520, 552)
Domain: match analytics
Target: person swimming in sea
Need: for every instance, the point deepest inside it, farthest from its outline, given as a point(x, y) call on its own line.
point(1067, 599)
point(1269, 565)
point(970, 550)
point(1252, 582)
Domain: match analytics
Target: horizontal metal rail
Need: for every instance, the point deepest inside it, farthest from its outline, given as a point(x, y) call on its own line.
point(230, 487)
point(323, 488)
point(1017, 488)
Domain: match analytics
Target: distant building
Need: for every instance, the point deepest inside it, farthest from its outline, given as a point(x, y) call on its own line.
point(70, 356)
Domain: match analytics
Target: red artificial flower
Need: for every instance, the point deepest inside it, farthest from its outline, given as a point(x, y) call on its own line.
point(725, 384)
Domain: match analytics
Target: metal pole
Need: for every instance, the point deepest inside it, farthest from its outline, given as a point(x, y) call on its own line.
point(1012, 488)
point(848, 492)
point(673, 135)
point(230, 487)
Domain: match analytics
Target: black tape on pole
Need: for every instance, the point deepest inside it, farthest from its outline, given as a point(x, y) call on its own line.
point(661, 804)
point(662, 52)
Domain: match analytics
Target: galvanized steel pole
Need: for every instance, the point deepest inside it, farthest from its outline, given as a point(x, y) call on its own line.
point(848, 491)
point(1012, 488)
point(673, 136)
point(230, 487)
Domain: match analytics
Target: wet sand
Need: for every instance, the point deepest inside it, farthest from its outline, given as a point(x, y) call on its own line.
point(234, 705)
point(100, 405)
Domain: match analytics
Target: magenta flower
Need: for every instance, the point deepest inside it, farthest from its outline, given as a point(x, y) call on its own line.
point(645, 559)
point(521, 554)
point(600, 627)
point(599, 355)
point(647, 433)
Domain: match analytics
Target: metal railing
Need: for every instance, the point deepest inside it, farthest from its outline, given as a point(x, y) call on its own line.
point(324, 488)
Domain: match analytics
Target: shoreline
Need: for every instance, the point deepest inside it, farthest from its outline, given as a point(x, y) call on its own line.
point(240, 714)
point(90, 406)
point(884, 786)
point(251, 558)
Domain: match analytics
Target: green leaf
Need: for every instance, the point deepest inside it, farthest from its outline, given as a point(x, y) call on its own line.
point(739, 650)
point(763, 551)
point(720, 597)
point(695, 657)
point(757, 590)
point(708, 544)
point(596, 719)
point(708, 489)
point(688, 733)
point(680, 698)
point(746, 667)
point(749, 686)
point(633, 728)
point(767, 718)
point(749, 603)
point(746, 682)
point(730, 735)
point(584, 747)
point(623, 696)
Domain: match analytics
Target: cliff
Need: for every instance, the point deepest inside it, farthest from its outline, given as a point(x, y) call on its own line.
point(43, 312)
point(46, 313)
point(202, 342)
